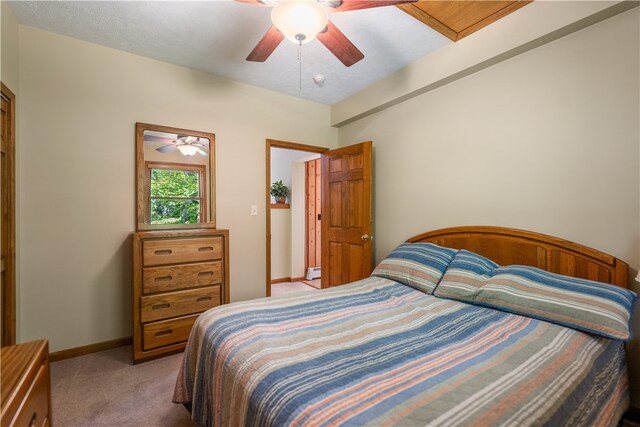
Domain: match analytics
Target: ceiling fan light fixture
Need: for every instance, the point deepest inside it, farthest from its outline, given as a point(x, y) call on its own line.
point(188, 150)
point(299, 20)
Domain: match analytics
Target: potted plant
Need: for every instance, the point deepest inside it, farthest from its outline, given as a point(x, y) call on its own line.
point(279, 191)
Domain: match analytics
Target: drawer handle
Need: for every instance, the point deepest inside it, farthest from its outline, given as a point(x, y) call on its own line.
point(160, 306)
point(163, 252)
point(166, 332)
point(205, 249)
point(34, 418)
point(163, 279)
point(202, 299)
point(205, 273)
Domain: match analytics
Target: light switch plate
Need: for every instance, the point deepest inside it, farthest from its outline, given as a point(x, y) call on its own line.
point(254, 210)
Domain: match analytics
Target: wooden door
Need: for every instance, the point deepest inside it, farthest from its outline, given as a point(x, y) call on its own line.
point(7, 218)
point(346, 214)
point(313, 213)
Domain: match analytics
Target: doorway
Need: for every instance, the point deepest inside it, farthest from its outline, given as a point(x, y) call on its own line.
point(293, 232)
point(7, 218)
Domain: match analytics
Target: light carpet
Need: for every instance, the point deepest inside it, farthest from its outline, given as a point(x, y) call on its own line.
point(106, 389)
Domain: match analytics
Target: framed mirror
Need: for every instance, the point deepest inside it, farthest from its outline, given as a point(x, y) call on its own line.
point(175, 178)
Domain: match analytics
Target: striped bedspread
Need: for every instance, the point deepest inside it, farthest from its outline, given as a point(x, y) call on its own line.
point(376, 352)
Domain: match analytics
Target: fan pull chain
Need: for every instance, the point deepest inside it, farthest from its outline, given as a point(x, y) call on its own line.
point(300, 64)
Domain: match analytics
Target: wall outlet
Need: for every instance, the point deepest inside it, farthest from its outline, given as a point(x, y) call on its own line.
point(254, 210)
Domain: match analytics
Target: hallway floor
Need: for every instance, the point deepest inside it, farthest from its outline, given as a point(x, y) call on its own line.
point(287, 287)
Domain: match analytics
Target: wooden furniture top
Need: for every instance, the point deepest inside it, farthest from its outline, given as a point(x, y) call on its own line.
point(186, 232)
point(16, 361)
point(508, 246)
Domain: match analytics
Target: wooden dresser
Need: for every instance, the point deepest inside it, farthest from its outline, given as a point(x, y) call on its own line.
point(177, 275)
point(25, 385)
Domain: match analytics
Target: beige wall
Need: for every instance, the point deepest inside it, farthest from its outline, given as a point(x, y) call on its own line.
point(525, 29)
point(545, 141)
point(280, 243)
point(79, 105)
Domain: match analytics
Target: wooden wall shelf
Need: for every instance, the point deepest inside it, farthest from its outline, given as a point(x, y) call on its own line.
point(280, 206)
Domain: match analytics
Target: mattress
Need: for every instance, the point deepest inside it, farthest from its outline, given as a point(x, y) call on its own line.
point(376, 352)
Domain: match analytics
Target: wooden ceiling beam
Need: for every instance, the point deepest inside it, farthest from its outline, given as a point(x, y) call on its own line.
point(458, 19)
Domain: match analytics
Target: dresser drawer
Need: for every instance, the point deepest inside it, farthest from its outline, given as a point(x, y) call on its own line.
point(175, 277)
point(174, 251)
point(35, 408)
point(167, 332)
point(174, 304)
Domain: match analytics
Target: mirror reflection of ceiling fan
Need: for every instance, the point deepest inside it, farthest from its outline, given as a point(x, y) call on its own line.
point(186, 144)
point(303, 20)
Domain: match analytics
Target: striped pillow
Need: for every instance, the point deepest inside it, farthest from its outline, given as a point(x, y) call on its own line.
point(580, 304)
point(419, 265)
point(465, 276)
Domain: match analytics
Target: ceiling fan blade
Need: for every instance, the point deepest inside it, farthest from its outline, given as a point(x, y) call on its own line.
point(154, 138)
point(340, 45)
point(167, 148)
point(266, 45)
point(348, 5)
point(256, 2)
point(204, 153)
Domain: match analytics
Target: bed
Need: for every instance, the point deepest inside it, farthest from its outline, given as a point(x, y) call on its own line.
point(404, 347)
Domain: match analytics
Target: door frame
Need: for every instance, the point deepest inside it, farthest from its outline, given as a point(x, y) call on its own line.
point(9, 300)
point(274, 143)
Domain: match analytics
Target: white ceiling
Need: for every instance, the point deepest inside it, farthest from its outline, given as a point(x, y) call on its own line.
point(216, 37)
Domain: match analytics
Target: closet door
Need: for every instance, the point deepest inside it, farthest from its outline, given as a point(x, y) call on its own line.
point(314, 213)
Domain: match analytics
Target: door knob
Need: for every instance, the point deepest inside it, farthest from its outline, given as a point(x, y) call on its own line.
point(365, 237)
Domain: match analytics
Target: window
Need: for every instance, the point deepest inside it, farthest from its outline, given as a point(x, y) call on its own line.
point(176, 193)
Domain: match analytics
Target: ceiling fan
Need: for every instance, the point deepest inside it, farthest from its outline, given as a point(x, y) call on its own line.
point(186, 144)
point(303, 20)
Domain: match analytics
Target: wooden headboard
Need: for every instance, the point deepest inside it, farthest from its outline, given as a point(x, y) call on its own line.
point(507, 246)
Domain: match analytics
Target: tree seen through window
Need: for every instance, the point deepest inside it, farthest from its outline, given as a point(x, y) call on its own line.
point(175, 196)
